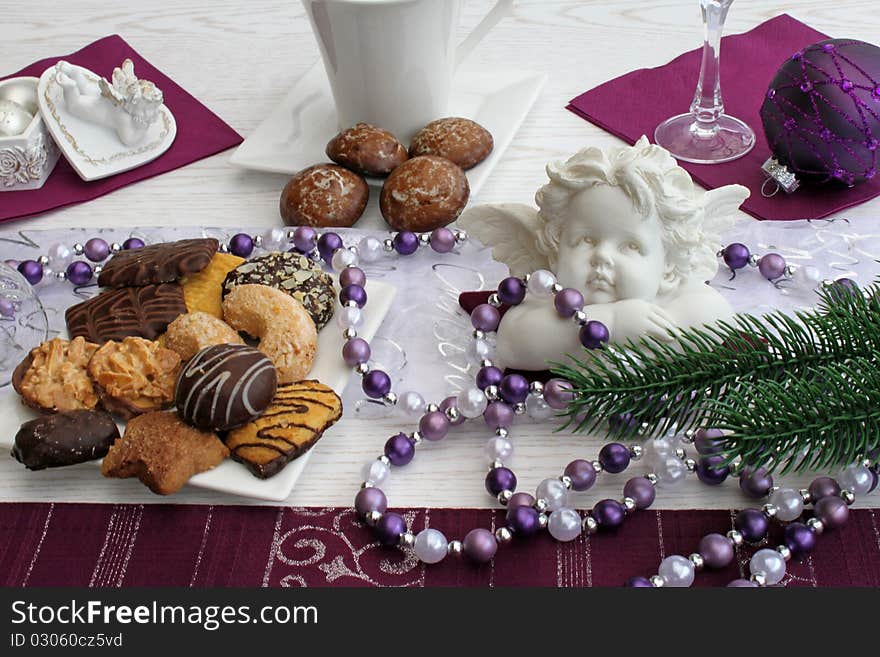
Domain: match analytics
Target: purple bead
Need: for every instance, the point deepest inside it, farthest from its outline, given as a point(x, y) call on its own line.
point(638, 582)
point(736, 255)
point(755, 482)
point(479, 545)
point(356, 351)
point(558, 394)
point(521, 499)
point(823, 487)
point(799, 538)
point(31, 270)
point(514, 388)
point(442, 240)
point(771, 266)
point(609, 514)
point(489, 376)
point(594, 334)
point(96, 249)
point(498, 414)
point(304, 239)
point(352, 276)
point(399, 449)
point(449, 402)
point(389, 528)
point(434, 425)
point(568, 301)
point(641, 491)
point(241, 245)
point(614, 457)
point(79, 272)
point(623, 423)
point(522, 520)
point(582, 474)
point(832, 511)
point(376, 384)
point(843, 287)
point(405, 242)
point(500, 479)
point(511, 291)
point(7, 310)
point(327, 244)
point(485, 317)
point(742, 583)
point(353, 293)
point(712, 471)
point(370, 499)
point(132, 243)
point(752, 524)
point(716, 550)
point(708, 441)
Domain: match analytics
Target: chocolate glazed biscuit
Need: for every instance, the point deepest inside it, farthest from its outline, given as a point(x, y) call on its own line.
point(158, 263)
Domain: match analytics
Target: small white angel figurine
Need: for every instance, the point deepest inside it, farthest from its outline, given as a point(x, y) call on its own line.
point(627, 228)
point(129, 106)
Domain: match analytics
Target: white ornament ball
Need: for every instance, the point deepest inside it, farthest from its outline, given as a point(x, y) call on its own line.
point(564, 525)
point(676, 571)
point(770, 563)
point(471, 402)
point(430, 546)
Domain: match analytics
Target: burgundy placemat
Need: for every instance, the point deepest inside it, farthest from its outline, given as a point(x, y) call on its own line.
point(182, 545)
point(200, 133)
point(634, 104)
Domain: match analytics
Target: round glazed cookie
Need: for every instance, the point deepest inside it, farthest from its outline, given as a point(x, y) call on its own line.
point(462, 141)
point(424, 193)
point(225, 386)
point(367, 149)
point(192, 332)
point(324, 195)
point(292, 273)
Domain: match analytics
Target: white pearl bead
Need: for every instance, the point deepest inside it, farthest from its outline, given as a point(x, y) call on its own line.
point(789, 504)
point(348, 317)
point(541, 283)
point(59, 257)
point(480, 350)
point(370, 249)
point(554, 491)
point(430, 546)
point(661, 447)
point(676, 571)
point(564, 525)
point(856, 478)
point(669, 469)
point(375, 472)
point(537, 408)
point(770, 563)
point(342, 258)
point(274, 239)
point(471, 402)
point(807, 276)
point(412, 403)
point(499, 449)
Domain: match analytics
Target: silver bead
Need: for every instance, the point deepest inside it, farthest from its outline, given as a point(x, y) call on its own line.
point(43, 260)
point(491, 393)
point(557, 288)
point(680, 453)
point(416, 437)
point(629, 504)
point(485, 363)
point(543, 519)
point(759, 579)
point(688, 436)
point(372, 518)
point(847, 496)
point(454, 548)
point(697, 559)
point(789, 271)
point(432, 408)
point(61, 276)
point(351, 303)
point(384, 460)
point(362, 369)
point(407, 539)
point(566, 481)
point(496, 464)
point(424, 239)
point(78, 249)
point(290, 233)
point(589, 525)
point(501, 432)
point(827, 283)
point(315, 255)
point(258, 241)
point(525, 279)
point(349, 333)
point(652, 478)
point(753, 260)
point(784, 552)
point(690, 464)
point(98, 269)
point(388, 243)
point(597, 466)
point(367, 484)
point(494, 300)
point(116, 247)
point(389, 399)
point(452, 414)
point(536, 388)
point(805, 495)
point(719, 254)
point(519, 408)
point(540, 505)
point(816, 525)
point(460, 236)
point(353, 249)
point(504, 497)
point(635, 452)
point(579, 317)
point(657, 581)
point(769, 510)
point(223, 248)
point(477, 334)
point(503, 535)
point(735, 537)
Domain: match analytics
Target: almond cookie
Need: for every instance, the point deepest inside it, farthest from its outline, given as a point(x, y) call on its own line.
point(294, 421)
point(163, 452)
point(158, 263)
point(202, 291)
point(368, 150)
point(462, 141)
point(54, 376)
point(324, 195)
point(64, 438)
point(134, 376)
point(286, 332)
point(424, 193)
point(190, 333)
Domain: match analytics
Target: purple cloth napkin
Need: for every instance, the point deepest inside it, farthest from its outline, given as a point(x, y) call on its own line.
point(200, 133)
point(634, 104)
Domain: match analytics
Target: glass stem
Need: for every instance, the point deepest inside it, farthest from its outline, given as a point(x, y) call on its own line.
point(708, 106)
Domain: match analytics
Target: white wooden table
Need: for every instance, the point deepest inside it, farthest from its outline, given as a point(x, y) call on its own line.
point(240, 58)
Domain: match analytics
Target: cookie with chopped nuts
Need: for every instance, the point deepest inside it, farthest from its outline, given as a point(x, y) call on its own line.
point(462, 141)
point(368, 150)
point(324, 195)
point(424, 193)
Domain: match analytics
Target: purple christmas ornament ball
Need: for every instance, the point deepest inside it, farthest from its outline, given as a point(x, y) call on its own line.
point(79, 272)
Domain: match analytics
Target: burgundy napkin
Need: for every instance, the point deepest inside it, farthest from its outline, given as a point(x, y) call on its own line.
point(634, 104)
point(200, 133)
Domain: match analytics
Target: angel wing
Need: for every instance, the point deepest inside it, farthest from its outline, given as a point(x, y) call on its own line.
point(510, 230)
point(720, 206)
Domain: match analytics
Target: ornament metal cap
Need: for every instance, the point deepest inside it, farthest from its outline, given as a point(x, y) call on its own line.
point(779, 174)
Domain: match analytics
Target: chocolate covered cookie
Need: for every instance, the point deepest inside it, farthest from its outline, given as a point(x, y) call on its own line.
point(293, 273)
point(54, 377)
point(324, 195)
point(130, 311)
point(462, 141)
point(158, 263)
point(424, 193)
point(64, 438)
point(224, 386)
point(368, 150)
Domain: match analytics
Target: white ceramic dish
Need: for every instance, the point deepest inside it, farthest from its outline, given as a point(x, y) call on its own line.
point(231, 477)
point(30, 157)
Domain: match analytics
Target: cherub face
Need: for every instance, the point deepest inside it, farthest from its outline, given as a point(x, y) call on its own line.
point(608, 250)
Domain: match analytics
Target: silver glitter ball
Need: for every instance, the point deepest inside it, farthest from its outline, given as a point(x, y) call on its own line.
point(697, 559)
point(635, 452)
point(784, 552)
point(847, 496)
point(657, 581)
point(688, 436)
point(460, 236)
point(503, 535)
point(580, 317)
point(597, 466)
point(407, 539)
point(805, 495)
point(629, 504)
point(432, 408)
point(652, 478)
point(816, 525)
point(501, 432)
point(116, 247)
point(536, 388)
point(557, 288)
point(758, 578)
point(61, 276)
point(416, 437)
point(541, 505)
point(690, 464)
point(452, 414)
point(258, 241)
point(589, 525)
point(494, 300)
point(388, 243)
point(735, 537)
point(769, 510)
point(753, 260)
point(389, 399)
point(454, 548)
point(372, 518)
point(78, 249)
point(491, 393)
point(496, 464)
point(98, 269)
point(424, 239)
point(43, 260)
point(566, 481)
point(290, 233)
point(351, 303)
point(349, 333)
point(504, 497)
point(384, 459)
point(543, 519)
point(223, 248)
point(477, 334)
point(680, 453)
point(362, 369)
point(519, 408)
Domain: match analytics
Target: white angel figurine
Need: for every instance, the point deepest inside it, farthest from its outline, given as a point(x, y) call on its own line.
point(629, 230)
point(129, 106)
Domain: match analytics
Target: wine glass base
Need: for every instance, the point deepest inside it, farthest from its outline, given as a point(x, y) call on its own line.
point(725, 140)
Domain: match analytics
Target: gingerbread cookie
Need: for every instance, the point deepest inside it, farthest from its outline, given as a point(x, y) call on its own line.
point(192, 332)
point(462, 141)
point(64, 438)
point(293, 422)
point(324, 195)
point(134, 376)
point(294, 274)
point(368, 150)
point(163, 452)
point(424, 193)
point(54, 377)
point(202, 291)
point(158, 263)
point(130, 311)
